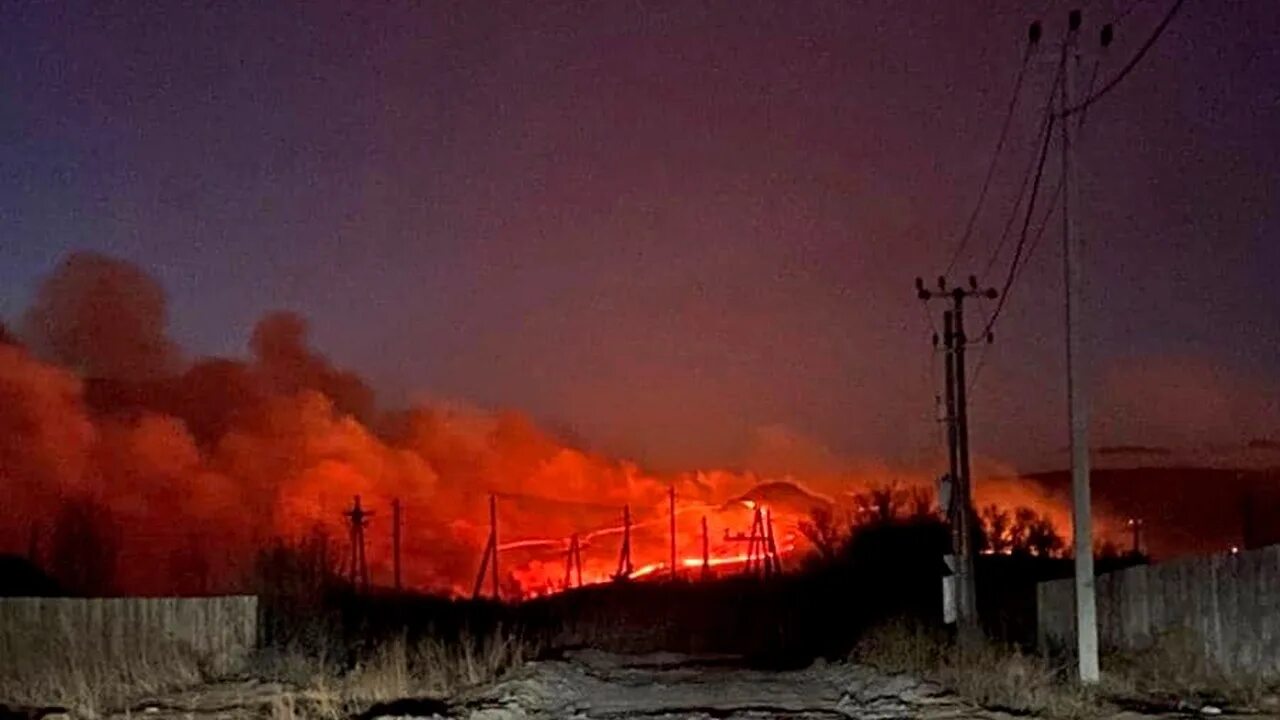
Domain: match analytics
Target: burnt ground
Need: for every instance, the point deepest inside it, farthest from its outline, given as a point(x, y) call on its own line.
point(593, 685)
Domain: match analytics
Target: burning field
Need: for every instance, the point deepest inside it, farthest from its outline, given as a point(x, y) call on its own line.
point(128, 468)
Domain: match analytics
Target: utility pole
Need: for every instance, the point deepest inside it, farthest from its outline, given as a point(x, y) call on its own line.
point(671, 493)
point(1135, 527)
point(357, 521)
point(1077, 405)
point(489, 560)
point(573, 560)
point(624, 554)
point(395, 541)
point(955, 342)
point(493, 533)
point(706, 550)
point(773, 547)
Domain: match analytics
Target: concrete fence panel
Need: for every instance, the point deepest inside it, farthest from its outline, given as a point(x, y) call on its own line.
point(1228, 604)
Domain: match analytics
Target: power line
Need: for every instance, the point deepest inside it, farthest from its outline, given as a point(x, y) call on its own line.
point(1031, 249)
point(1027, 175)
point(1026, 224)
point(995, 155)
point(1129, 66)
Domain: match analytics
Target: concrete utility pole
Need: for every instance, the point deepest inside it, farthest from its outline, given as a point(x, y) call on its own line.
point(1077, 405)
point(955, 342)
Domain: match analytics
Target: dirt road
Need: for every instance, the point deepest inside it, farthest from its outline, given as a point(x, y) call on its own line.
point(592, 685)
point(602, 686)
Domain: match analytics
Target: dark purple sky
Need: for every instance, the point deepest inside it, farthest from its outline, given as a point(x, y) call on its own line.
point(668, 228)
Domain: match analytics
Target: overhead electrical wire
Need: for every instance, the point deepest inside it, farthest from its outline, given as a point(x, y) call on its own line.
point(1054, 202)
point(1017, 201)
point(1090, 97)
point(1129, 66)
point(1026, 224)
point(995, 157)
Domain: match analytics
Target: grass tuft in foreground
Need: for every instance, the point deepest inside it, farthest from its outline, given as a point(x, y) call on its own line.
point(391, 670)
point(988, 674)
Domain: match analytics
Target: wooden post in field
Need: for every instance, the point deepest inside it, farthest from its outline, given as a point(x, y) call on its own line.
point(489, 560)
point(358, 520)
point(395, 540)
point(573, 560)
point(672, 496)
point(706, 550)
point(769, 545)
point(493, 543)
point(624, 555)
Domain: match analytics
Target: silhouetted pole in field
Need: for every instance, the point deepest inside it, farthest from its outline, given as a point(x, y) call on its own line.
point(672, 501)
point(1135, 526)
point(772, 546)
point(757, 540)
point(955, 343)
point(573, 560)
point(358, 520)
point(396, 518)
point(493, 523)
point(706, 550)
point(624, 554)
point(489, 562)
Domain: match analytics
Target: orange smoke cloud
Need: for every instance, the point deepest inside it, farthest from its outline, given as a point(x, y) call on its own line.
point(187, 472)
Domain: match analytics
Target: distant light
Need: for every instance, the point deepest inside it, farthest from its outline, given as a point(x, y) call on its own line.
point(1235, 549)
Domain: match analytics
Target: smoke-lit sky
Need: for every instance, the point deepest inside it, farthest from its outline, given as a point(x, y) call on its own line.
point(676, 231)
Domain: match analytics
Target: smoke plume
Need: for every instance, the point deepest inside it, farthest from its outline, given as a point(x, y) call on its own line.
point(123, 471)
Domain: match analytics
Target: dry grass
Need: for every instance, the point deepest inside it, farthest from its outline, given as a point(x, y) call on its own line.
point(40, 666)
point(1174, 670)
point(393, 670)
point(987, 674)
point(1172, 674)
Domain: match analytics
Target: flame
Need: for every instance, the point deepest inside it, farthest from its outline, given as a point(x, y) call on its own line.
point(173, 481)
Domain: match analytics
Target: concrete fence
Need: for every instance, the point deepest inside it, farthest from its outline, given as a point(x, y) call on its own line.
point(219, 632)
point(1225, 606)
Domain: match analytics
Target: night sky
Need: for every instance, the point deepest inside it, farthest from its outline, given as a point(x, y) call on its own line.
point(683, 232)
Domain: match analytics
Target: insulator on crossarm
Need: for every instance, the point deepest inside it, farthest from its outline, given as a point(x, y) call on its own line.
point(1033, 33)
point(1073, 20)
point(1108, 34)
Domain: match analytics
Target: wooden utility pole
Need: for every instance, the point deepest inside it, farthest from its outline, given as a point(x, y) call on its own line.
point(955, 343)
point(1135, 527)
point(757, 540)
point(706, 550)
point(624, 554)
point(489, 561)
point(357, 521)
point(671, 494)
point(493, 525)
point(772, 546)
point(395, 541)
point(573, 560)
